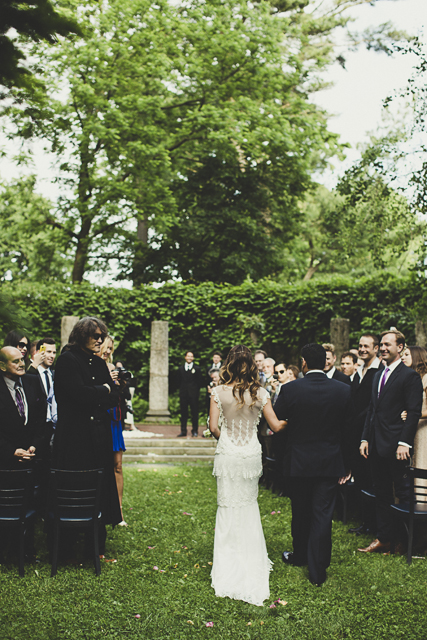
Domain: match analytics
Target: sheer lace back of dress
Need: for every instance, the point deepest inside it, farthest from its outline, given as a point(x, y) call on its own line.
point(239, 422)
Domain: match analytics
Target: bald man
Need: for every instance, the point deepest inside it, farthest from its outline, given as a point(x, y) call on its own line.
point(22, 412)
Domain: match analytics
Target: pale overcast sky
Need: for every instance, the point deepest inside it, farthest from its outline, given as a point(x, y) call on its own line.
point(358, 92)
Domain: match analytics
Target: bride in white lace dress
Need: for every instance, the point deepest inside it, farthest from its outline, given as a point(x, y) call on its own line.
point(241, 565)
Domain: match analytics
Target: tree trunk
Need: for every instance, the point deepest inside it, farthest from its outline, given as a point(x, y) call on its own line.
point(310, 272)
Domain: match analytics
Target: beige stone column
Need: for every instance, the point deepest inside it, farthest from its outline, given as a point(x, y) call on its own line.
point(420, 333)
point(67, 324)
point(158, 397)
point(340, 336)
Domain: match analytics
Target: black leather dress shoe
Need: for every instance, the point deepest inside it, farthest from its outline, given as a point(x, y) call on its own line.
point(288, 558)
point(194, 435)
point(181, 435)
point(317, 584)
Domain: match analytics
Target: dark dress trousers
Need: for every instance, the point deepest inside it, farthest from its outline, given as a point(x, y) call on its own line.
point(317, 410)
point(383, 430)
point(83, 437)
point(341, 377)
point(48, 429)
point(14, 434)
point(190, 383)
point(361, 392)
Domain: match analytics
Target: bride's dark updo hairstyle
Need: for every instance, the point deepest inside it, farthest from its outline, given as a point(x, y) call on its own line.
point(240, 370)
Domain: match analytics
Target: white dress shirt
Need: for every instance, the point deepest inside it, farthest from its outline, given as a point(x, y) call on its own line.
point(329, 374)
point(42, 371)
point(374, 365)
point(390, 368)
point(11, 386)
point(188, 366)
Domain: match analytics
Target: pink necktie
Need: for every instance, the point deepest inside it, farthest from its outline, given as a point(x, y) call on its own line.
point(383, 381)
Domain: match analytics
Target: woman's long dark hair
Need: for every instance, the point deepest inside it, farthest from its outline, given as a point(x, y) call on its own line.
point(419, 359)
point(12, 339)
point(240, 370)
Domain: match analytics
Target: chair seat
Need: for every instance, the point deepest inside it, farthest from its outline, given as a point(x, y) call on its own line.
point(74, 515)
point(420, 509)
point(368, 494)
point(13, 515)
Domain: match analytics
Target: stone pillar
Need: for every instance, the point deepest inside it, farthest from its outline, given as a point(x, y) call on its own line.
point(67, 324)
point(159, 373)
point(420, 333)
point(340, 332)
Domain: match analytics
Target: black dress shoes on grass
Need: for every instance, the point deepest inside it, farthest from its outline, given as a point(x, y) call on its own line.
point(288, 558)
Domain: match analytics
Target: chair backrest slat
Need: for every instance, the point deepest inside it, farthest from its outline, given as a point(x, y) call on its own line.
point(76, 491)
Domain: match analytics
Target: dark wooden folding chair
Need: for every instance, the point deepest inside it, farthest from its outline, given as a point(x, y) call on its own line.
point(75, 503)
point(16, 490)
point(416, 509)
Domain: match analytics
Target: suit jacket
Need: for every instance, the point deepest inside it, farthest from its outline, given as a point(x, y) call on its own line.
point(35, 372)
point(14, 434)
point(341, 377)
point(361, 392)
point(190, 381)
point(403, 391)
point(317, 411)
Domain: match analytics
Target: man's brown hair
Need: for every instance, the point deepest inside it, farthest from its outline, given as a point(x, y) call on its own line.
point(400, 338)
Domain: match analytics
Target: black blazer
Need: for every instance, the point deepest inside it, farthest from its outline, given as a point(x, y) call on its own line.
point(317, 411)
point(35, 372)
point(403, 391)
point(341, 377)
point(14, 434)
point(361, 393)
point(190, 381)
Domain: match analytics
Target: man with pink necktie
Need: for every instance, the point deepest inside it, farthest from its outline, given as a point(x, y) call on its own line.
point(387, 439)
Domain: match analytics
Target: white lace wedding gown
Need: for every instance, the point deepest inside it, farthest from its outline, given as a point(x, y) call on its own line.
point(241, 565)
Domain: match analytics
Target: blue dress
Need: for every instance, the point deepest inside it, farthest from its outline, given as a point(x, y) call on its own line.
point(117, 429)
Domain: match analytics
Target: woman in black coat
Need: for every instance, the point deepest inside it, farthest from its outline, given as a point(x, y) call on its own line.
point(84, 392)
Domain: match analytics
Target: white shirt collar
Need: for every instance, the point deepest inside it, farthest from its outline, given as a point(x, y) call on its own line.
point(393, 366)
point(331, 372)
point(315, 371)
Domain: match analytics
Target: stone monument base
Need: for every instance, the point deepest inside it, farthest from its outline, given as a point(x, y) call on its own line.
point(157, 415)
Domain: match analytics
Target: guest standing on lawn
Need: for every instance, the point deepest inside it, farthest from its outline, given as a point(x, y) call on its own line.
point(190, 381)
point(84, 392)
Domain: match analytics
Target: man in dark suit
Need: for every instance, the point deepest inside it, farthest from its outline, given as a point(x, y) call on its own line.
point(361, 391)
point(22, 411)
point(316, 410)
point(386, 438)
point(190, 381)
point(330, 369)
point(46, 375)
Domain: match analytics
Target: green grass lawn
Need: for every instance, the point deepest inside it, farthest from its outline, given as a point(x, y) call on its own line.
point(373, 597)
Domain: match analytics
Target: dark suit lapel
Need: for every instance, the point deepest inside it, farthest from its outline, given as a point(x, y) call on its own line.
point(389, 383)
point(6, 399)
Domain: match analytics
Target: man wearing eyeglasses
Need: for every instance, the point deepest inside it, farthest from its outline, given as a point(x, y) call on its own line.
point(282, 378)
point(22, 411)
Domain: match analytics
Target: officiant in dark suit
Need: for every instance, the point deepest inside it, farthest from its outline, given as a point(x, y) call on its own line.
point(387, 440)
point(22, 412)
point(190, 381)
point(315, 462)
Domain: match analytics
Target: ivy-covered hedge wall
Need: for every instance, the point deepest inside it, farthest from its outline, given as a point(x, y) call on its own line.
point(277, 318)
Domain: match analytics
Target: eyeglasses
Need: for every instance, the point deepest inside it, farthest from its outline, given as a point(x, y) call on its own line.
point(98, 337)
point(281, 371)
point(22, 345)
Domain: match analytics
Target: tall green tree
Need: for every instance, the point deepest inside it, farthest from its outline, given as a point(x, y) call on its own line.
point(184, 133)
point(25, 20)
point(32, 246)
